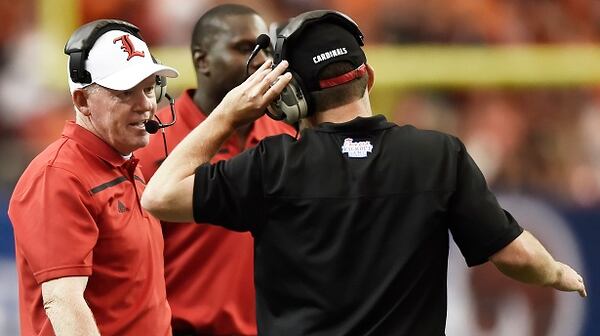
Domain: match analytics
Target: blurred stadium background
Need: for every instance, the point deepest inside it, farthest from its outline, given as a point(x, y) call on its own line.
point(517, 80)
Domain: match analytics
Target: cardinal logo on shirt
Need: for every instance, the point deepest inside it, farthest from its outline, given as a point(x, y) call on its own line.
point(122, 207)
point(358, 149)
point(128, 47)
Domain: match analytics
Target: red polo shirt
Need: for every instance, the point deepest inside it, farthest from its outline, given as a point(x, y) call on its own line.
point(76, 212)
point(209, 270)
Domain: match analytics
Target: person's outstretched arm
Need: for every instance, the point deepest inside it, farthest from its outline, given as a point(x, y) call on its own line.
point(66, 307)
point(526, 260)
point(168, 195)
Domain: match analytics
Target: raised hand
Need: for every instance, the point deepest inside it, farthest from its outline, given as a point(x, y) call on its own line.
point(248, 101)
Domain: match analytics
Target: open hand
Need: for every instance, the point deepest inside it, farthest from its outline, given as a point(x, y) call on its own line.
point(570, 281)
point(248, 101)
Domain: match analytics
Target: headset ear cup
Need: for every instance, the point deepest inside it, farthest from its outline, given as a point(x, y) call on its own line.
point(160, 89)
point(302, 95)
point(293, 104)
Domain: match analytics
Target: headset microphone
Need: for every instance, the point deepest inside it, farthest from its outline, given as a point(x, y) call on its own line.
point(152, 126)
point(262, 41)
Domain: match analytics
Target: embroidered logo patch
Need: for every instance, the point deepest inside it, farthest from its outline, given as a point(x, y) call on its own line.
point(122, 207)
point(128, 47)
point(357, 149)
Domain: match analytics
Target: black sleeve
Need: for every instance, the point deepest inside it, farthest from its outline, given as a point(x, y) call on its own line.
point(479, 226)
point(229, 193)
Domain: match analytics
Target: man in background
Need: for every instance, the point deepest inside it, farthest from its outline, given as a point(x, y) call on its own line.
point(208, 269)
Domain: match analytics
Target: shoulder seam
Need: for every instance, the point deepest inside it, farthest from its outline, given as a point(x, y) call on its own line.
point(51, 163)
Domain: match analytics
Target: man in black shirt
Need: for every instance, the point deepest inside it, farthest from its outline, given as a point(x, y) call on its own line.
point(351, 221)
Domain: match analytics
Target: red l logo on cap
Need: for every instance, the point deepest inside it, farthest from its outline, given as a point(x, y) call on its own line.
point(128, 47)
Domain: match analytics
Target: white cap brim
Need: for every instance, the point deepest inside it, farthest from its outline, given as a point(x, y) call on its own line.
point(135, 74)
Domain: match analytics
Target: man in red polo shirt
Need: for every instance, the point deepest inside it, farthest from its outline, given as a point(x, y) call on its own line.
point(209, 270)
point(89, 259)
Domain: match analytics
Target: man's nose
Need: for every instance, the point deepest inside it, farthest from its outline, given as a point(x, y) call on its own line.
point(144, 102)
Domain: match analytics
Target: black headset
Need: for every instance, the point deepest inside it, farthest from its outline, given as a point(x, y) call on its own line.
point(295, 102)
point(82, 40)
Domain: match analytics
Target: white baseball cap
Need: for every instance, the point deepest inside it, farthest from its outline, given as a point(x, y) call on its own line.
point(119, 61)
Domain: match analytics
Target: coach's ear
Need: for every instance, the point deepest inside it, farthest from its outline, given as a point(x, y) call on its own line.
point(371, 73)
point(80, 101)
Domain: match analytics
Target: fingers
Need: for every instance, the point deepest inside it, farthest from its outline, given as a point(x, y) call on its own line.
point(572, 281)
point(580, 286)
point(261, 70)
point(275, 81)
point(581, 290)
point(264, 76)
point(266, 83)
point(277, 86)
point(279, 69)
point(247, 101)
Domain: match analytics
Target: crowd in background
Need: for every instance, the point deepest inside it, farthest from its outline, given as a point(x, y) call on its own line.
point(387, 21)
point(539, 140)
point(536, 141)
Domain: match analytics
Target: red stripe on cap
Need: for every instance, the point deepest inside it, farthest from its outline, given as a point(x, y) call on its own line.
point(343, 78)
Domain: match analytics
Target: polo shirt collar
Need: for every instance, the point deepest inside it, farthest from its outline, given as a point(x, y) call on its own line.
point(262, 128)
point(373, 123)
point(93, 143)
point(189, 111)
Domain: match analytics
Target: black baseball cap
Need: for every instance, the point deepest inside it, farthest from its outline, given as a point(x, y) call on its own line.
point(319, 44)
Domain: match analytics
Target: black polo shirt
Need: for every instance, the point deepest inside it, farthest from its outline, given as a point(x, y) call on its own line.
point(351, 225)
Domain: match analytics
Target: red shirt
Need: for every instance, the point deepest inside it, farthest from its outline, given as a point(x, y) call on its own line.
point(209, 270)
point(76, 212)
